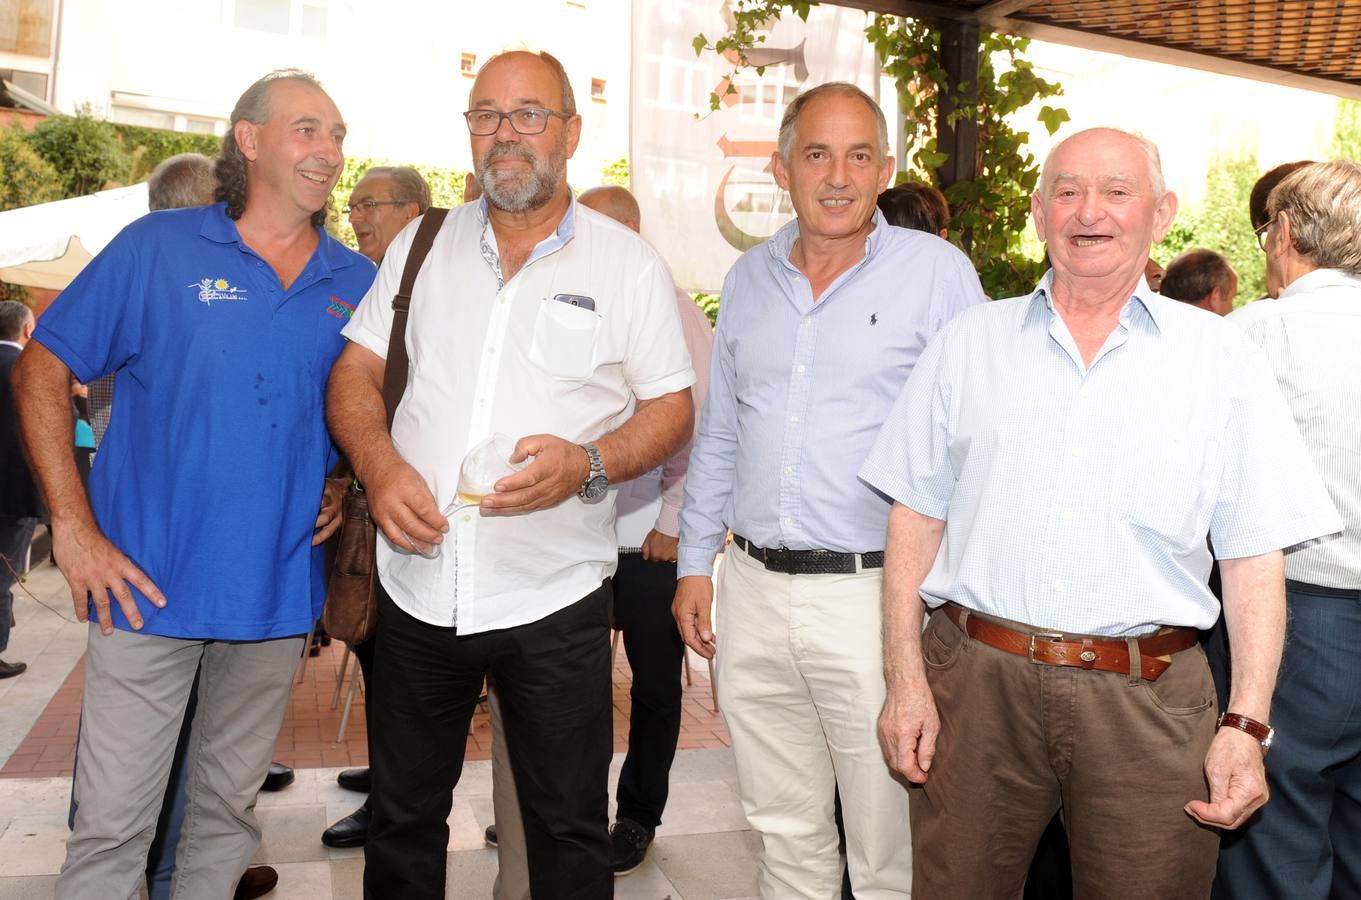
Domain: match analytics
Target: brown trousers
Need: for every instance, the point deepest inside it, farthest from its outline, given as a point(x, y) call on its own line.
point(1120, 756)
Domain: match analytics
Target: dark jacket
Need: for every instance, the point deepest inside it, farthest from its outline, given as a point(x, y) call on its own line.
point(18, 494)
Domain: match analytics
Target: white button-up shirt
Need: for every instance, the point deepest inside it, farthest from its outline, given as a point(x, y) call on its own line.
point(1078, 498)
point(1312, 338)
point(490, 358)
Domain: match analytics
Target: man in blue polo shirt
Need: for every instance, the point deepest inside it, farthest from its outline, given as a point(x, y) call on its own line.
point(197, 549)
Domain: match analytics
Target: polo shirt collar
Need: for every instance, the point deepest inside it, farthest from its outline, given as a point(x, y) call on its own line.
point(1144, 306)
point(218, 227)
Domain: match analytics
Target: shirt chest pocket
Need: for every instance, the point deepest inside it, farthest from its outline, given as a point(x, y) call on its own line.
point(565, 338)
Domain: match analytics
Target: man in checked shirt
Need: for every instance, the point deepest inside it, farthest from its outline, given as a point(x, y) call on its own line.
point(818, 330)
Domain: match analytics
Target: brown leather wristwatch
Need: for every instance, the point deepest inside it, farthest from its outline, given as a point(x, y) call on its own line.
point(1265, 734)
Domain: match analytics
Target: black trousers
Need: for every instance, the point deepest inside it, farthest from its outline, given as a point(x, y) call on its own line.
point(553, 679)
point(643, 592)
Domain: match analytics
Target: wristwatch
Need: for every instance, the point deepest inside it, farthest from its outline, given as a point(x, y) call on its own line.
point(1265, 734)
point(596, 485)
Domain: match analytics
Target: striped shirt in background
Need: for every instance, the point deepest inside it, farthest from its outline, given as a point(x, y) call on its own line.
point(1312, 339)
point(1078, 499)
point(800, 386)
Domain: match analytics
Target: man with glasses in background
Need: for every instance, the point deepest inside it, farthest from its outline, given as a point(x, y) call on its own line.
point(558, 328)
point(382, 202)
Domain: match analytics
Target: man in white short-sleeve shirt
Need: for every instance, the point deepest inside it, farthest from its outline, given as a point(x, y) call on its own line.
point(542, 321)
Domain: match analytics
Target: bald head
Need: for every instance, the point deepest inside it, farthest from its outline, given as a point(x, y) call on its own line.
point(615, 202)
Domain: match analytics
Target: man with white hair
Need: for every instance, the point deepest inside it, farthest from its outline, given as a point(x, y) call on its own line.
point(1057, 460)
point(1304, 845)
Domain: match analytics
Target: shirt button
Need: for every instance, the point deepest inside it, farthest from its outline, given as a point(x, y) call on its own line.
point(467, 518)
point(808, 320)
point(789, 520)
point(1058, 587)
point(1067, 516)
point(789, 470)
point(802, 369)
point(794, 419)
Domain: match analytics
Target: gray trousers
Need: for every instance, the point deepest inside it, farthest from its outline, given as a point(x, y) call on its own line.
point(512, 854)
point(136, 688)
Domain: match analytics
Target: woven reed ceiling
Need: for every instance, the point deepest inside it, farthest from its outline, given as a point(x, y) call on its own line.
point(1310, 43)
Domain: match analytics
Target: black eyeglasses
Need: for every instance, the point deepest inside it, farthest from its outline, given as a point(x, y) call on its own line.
point(1260, 231)
point(368, 206)
point(525, 120)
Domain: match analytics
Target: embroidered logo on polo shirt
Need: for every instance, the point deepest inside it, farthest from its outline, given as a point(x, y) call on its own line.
point(339, 308)
point(219, 289)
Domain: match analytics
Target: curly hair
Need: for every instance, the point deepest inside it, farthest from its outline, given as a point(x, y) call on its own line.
point(253, 106)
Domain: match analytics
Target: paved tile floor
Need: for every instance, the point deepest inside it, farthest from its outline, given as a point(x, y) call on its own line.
point(703, 851)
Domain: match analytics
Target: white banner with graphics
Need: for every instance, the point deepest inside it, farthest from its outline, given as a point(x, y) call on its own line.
point(704, 184)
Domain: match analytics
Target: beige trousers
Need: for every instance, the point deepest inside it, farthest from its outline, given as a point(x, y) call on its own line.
point(800, 682)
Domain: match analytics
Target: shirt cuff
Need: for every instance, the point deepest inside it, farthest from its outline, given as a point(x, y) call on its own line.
point(695, 561)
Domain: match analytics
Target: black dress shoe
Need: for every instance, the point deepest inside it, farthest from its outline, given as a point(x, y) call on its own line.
point(280, 776)
point(256, 882)
point(9, 670)
point(355, 780)
point(351, 831)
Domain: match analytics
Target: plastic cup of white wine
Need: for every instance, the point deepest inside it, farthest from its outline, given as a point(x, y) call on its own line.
point(484, 465)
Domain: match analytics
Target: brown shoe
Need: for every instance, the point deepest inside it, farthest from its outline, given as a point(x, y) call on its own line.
point(256, 882)
point(9, 670)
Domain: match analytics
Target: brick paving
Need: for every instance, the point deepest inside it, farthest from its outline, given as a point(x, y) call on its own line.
point(308, 736)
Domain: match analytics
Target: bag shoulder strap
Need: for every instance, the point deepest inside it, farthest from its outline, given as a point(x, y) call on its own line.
point(394, 371)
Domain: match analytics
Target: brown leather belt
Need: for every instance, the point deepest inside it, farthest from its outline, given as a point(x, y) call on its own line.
point(1051, 649)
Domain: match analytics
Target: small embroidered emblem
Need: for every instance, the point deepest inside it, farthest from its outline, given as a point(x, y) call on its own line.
point(339, 308)
point(210, 289)
point(874, 318)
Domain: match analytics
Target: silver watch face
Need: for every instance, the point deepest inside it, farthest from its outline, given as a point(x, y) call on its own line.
point(595, 488)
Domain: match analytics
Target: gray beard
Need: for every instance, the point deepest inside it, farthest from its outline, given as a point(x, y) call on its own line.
point(522, 193)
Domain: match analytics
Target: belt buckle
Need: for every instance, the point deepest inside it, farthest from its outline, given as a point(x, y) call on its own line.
point(1045, 635)
point(778, 559)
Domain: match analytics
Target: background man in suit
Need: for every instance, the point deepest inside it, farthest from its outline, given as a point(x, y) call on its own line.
point(19, 503)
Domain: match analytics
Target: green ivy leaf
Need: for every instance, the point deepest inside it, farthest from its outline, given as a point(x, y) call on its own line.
point(1052, 118)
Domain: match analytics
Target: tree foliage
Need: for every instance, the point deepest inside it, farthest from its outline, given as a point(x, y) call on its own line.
point(1220, 223)
point(992, 208)
point(616, 173)
point(25, 177)
point(84, 150)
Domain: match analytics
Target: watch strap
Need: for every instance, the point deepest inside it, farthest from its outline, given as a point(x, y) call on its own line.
point(1262, 732)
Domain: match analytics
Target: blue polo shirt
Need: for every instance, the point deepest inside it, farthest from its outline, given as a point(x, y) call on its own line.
point(211, 471)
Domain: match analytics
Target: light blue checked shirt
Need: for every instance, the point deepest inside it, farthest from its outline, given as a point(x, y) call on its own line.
point(1079, 501)
point(798, 390)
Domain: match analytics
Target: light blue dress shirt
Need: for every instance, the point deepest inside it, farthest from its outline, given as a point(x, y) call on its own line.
point(1078, 499)
point(799, 387)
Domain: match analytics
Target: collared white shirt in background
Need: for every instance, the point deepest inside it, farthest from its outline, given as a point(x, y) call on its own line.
point(1312, 338)
point(489, 358)
point(1077, 498)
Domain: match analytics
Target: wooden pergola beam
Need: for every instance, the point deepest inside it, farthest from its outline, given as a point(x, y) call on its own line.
point(1000, 15)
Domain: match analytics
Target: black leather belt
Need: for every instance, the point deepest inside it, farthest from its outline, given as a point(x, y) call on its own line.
point(1321, 591)
point(810, 562)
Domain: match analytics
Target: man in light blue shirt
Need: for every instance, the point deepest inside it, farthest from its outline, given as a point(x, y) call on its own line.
point(819, 328)
point(1057, 461)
